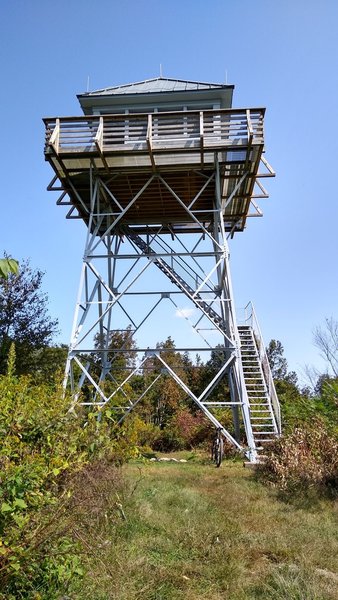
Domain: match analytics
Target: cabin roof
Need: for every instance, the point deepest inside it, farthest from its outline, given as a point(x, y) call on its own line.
point(157, 84)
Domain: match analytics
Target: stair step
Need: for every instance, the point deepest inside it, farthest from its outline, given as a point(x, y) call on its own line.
point(251, 372)
point(256, 388)
point(247, 361)
point(261, 403)
point(250, 359)
point(258, 400)
point(260, 411)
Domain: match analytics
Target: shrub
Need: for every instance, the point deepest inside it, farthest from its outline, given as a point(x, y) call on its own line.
point(184, 431)
point(40, 444)
point(305, 459)
point(144, 435)
point(194, 428)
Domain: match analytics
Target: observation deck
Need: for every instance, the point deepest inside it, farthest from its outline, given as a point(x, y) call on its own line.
point(161, 156)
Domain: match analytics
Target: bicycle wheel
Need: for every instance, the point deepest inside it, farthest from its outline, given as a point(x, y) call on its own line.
point(219, 451)
point(213, 450)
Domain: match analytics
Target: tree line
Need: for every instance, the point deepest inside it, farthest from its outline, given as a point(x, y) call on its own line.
point(25, 321)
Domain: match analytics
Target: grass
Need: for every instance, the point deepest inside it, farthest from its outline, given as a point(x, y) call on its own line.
point(191, 531)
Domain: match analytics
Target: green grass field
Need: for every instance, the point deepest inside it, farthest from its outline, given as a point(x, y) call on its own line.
point(191, 531)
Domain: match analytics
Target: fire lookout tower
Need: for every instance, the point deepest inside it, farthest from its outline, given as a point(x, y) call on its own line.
point(163, 172)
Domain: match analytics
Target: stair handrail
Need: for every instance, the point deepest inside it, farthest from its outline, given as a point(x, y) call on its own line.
point(251, 319)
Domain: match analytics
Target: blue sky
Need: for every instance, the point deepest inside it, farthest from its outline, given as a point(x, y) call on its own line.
point(282, 55)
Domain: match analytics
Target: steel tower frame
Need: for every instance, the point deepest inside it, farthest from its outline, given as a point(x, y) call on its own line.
point(163, 192)
point(101, 292)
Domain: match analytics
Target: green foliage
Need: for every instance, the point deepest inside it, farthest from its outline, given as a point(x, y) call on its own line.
point(166, 396)
point(278, 363)
point(40, 443)
point(329, 401)
point(299, 408)
point(304, 459)
point(184, 431)
point(24, 318)
point(8, 265)
point(167, 418)
point(119, 346)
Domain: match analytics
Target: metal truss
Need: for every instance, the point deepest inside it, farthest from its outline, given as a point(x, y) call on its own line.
point(127, 278)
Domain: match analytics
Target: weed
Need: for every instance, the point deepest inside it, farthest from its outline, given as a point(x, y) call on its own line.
point(304, 462)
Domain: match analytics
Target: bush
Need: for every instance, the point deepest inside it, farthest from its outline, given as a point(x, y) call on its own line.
point(40, 444)
point(183, 432)
point(304, 460)
point(194, 429)
point(144, 435)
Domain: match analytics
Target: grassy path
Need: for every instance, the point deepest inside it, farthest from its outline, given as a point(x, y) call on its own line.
point(191, 531)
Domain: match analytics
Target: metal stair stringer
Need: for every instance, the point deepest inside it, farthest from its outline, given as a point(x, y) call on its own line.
point(177, 280)
point(265, 426)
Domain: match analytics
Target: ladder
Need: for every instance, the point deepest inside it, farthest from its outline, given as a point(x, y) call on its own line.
point(264, 421)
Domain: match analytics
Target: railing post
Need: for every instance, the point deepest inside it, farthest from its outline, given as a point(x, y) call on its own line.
point(55, 137)
point(149, 140)
point(202, 138)
point(249, 125)
point(99, 136)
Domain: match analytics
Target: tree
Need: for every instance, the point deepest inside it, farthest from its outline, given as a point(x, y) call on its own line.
point(279, 364)
point(326, 339)
point(165, 396)
point(24, 318)
point(120, 349)
point(218, 356)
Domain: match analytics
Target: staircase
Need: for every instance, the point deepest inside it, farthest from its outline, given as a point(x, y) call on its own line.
point(264, 421)
point(175, 278)
point(263, 401)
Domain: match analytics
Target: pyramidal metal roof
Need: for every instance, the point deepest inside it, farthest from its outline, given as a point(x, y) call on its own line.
point(157, 84)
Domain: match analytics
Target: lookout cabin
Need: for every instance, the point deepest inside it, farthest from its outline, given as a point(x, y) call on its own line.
point(185, 130)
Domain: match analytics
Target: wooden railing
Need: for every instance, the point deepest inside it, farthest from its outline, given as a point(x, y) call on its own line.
point(155, 132)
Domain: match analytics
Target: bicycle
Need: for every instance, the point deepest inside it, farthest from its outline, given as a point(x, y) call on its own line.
point(217, 448)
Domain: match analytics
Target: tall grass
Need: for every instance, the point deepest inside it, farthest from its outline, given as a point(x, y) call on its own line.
point(189, 531)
